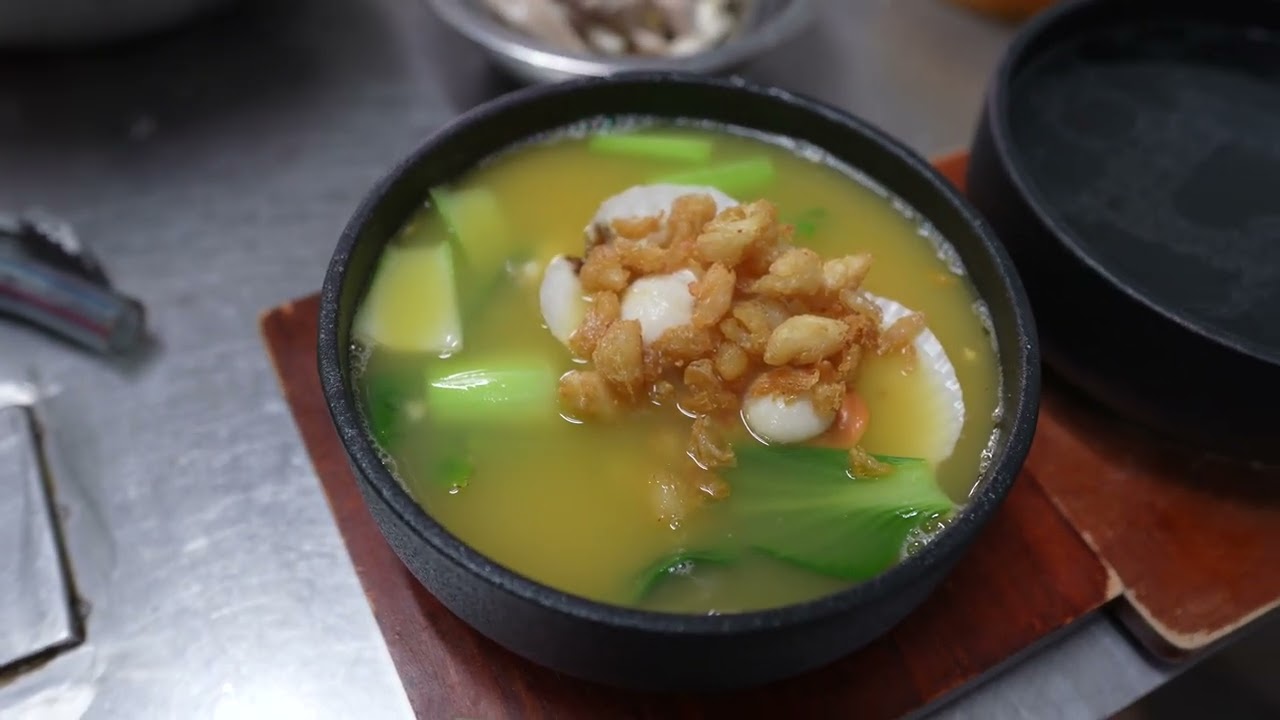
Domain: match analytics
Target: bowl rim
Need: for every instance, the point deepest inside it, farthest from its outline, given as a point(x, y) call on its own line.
point(987, 495)
point(482, 28)
point(1032, 40)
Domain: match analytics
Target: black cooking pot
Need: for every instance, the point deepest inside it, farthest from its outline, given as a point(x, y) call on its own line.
point(633, 648)
point(1126, 157)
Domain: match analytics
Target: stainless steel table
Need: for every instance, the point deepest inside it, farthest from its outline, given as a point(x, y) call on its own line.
point(212, 169)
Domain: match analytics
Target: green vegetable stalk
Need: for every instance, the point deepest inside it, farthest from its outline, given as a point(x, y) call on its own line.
point(658, 146)
point(743, 178)
point(682, 563)
point(504, 391)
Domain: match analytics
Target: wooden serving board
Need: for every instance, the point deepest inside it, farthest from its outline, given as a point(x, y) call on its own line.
point(1194, 540)
point(1027, 576)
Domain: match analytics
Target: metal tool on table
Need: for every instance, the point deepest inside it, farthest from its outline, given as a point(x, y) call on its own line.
point(38, 617)
point(49, 278)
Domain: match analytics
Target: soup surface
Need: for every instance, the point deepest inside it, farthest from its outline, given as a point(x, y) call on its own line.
point(457, 370)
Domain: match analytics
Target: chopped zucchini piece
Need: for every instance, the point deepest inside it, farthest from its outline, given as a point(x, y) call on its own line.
point(412, 302)
point(478, 232)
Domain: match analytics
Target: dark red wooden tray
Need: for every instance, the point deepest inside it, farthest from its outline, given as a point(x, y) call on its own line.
point(1193, 540)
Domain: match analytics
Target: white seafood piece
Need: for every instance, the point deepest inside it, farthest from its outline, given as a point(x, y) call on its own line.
point(679, 15)
point(712, 23)
point(946, 394)
point(563, 304)
point(647, 201)
point(778, 420)
point(659, 303)
point(546, 21)
point(605, 40)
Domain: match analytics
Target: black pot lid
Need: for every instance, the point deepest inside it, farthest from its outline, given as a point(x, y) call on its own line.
point(1153, 135)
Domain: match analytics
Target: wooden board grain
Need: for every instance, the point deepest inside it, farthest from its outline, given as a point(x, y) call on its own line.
point(1027, 576)
point(1193, 539)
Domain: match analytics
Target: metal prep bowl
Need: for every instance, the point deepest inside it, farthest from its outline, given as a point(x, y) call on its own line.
point(767, 24)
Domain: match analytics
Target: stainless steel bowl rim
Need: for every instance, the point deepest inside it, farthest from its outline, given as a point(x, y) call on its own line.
point(479, 26)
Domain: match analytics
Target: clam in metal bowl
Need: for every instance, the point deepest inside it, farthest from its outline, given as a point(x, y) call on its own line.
point(535, 48)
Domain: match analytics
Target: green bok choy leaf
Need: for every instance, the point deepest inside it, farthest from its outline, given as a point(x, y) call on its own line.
point(801, 505)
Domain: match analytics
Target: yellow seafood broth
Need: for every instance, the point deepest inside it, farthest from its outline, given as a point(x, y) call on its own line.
point(569, 504)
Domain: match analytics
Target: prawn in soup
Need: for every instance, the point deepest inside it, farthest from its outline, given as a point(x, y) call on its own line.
point(677, 368)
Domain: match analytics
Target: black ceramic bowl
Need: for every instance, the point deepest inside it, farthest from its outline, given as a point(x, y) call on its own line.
point(1128, 156)
point(627, 647)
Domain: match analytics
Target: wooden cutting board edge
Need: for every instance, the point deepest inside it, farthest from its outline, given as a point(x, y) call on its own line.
point(1171, 646)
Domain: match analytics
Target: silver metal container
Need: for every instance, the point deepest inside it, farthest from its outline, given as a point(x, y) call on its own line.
point(766, 24)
